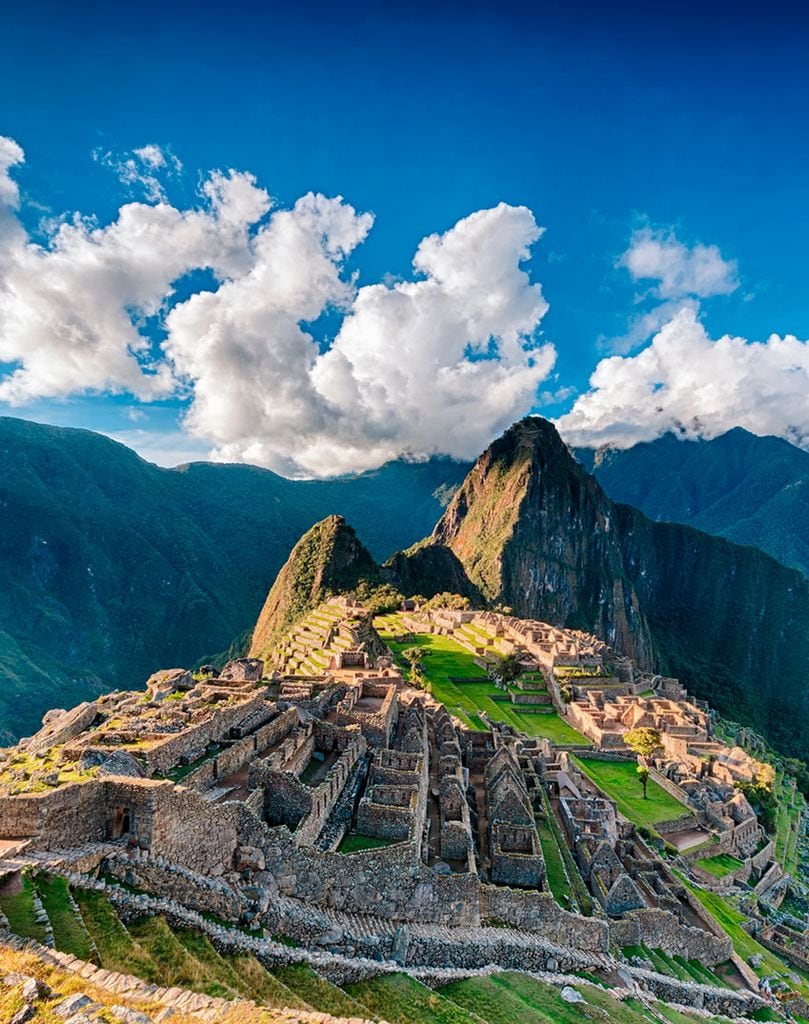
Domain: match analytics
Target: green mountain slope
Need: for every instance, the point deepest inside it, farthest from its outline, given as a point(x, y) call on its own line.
point(113, 567)
point(752, 490)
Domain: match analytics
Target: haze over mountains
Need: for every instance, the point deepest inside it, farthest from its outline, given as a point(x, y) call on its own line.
point(115, 567)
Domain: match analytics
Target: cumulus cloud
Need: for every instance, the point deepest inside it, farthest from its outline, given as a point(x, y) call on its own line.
point(11, 154)
point(437, 363)
point(688, 383)
point(679, 271)
point(677, 276)
point(70, 311)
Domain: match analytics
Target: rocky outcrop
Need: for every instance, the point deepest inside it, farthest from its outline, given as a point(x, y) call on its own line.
point(327, 558)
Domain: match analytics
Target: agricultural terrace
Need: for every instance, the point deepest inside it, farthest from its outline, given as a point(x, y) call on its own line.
point(731, 920)
point(446, 661)
point(790, 805)
point(619, 780)
point(721, 865)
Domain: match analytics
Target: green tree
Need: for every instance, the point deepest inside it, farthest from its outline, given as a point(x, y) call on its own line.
point(644, 742)
point(643, 776)
point(505, 670)
point(446, 600)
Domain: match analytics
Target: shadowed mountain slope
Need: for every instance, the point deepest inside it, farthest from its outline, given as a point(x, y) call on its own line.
point(113, 567)
point(752, 490)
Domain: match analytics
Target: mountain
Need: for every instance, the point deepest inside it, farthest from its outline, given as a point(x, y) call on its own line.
point(532, 530)
point(328, 557)
point(752, 490)
point(113, 567)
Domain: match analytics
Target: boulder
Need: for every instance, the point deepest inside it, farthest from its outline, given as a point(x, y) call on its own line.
point(121, 762)
point(571, 995)
point(243, 670)
point(163, 683)
point(249, 858)
point(73, 1005)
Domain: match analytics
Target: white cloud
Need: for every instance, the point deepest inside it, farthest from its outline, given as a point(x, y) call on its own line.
point(438, 363)
point(69, 311)
point(10, 155)
point(143, 168)
point(688, 383)
point(167, 448)
point(678, 277)
point(680, 271)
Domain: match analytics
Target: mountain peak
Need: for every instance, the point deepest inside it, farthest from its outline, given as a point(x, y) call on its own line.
point(328, 557)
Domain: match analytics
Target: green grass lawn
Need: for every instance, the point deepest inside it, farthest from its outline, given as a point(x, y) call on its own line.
point(19, 909)
point(619, 780)
point(400, 999)
point(353, 843)
point(448, 659)
point(317, 992)
point(558, 882)
point(787, 824)
point(723, 911)
point(69, 932)
point(720, 865)
point(515, 998)
point(116, 947)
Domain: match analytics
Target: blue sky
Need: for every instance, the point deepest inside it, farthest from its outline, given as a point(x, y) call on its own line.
point(605, 125)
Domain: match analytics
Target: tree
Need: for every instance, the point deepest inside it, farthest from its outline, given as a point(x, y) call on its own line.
point(644, 742)
point(643, 775)
point(505, 670)
point(455, 602)
point(414, 656)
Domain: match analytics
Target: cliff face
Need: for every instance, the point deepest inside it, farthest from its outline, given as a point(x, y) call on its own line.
point(329, 557)
point(534, 531)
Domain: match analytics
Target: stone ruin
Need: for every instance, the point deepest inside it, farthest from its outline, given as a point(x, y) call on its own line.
point(240, 793)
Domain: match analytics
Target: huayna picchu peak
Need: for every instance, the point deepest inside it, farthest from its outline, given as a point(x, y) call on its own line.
point(532, 531)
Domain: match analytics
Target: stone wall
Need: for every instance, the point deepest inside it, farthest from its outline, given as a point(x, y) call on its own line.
point(661, 929)
point(326, 795)
point(538, 911)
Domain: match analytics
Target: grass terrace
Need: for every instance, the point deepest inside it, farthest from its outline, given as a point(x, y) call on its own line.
point(731, 919)
point(619, 780)
point(354, 843)
point(790, 805)
point(448, 660)
point(721, 865)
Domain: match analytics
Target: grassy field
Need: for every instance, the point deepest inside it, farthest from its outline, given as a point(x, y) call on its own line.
point(619, 780)
point(723, 911)
point(18, 906)
point(513, 998)
point(400, 999)
point(720, 865)
point(116, 947)
point(790, 805)
point(446, 660)
point(353, 843)
point(558, 882)
point(69, 933)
